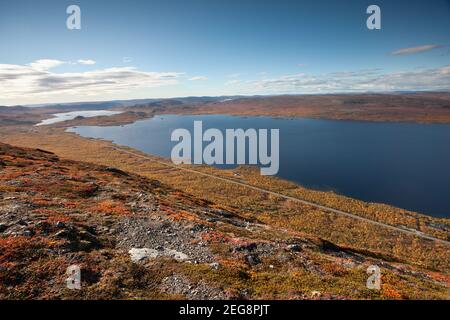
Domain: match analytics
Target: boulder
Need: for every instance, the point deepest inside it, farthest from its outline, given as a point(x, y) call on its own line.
point(140, 254)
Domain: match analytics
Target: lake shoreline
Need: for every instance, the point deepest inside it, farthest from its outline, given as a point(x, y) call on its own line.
point(367, 142)
point(343, 231)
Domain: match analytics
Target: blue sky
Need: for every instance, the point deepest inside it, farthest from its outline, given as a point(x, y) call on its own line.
point(144, 48)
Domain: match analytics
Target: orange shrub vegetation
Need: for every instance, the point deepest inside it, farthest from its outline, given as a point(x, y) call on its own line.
point(71, 205)
point(232, 263)
point(12, 175)
point(16, 248)
point(389, 292)
point(9, 188)
point(41, 202)
point(213, 236)
point(334, 269)
point(58, 218)
point(439, 277)
point(177, 215)
point(111, 207)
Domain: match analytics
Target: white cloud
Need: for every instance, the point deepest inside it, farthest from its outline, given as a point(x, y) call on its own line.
point(198, 78)
point(350, 81)
point(36, 81)
point(45, 64)
point(87, 62)
point(127, 59)
point(418, 49)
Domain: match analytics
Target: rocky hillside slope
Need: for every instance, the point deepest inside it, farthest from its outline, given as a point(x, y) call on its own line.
point(136, 238)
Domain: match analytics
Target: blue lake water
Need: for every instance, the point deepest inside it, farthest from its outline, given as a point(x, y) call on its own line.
point(60, 117)
point(402, 164)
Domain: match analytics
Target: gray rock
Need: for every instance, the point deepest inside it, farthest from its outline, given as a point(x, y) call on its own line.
point(252, 259)
point(294, 247)
point(62, 234)
point(214, 265)
point(28, 233)
point(141, 254)
point(3, 227)
point(60, 224)
point(246, 248)
point(179, 256)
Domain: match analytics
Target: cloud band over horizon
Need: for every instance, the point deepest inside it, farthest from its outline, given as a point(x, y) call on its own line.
point(35, 80)
point(38, 81)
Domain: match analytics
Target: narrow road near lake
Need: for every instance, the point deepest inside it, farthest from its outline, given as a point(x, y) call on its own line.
point(312, 204)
